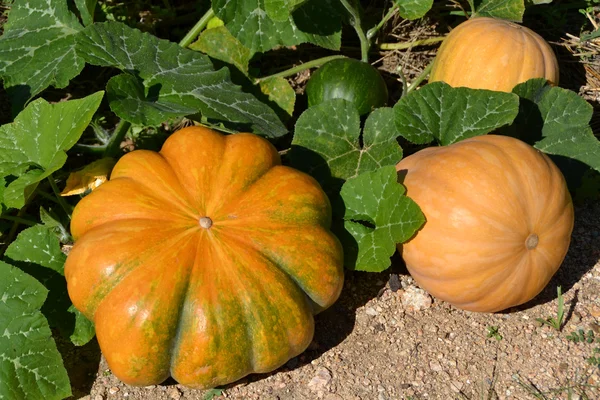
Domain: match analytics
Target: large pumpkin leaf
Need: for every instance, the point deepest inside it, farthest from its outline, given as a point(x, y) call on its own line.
point(315, 21)
point(86, 10)
point(174, 79)
point(280, 10)
point(38, 247)
point(37, 48)
point(30, 365)
point(34, 145)
point(413, 9)
point(219, 43)
point(448, 115)
point(327, 142)
point(556, 121)
point(512, 10)
point(378, 216)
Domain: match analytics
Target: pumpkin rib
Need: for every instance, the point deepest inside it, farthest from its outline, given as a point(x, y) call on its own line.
point(282, 187)
point(317, 301)
point(148, 252)
point(133, 165)
point(241, 294)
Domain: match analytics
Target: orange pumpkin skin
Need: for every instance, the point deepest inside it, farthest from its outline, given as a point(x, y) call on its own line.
point(498, 224)
point(487, 53)
point(206, 261)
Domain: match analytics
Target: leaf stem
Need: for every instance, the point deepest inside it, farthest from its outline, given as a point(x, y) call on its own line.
point(420, 78)
point(113, 147)
point(196, 29)
point(299, 68)
point(90, 149)
point(408, 45)
point(65, 206)
point(373, 31)
point(365, 44)
point(20, 220)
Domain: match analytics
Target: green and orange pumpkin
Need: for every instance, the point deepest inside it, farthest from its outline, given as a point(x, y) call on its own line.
point(205, 261)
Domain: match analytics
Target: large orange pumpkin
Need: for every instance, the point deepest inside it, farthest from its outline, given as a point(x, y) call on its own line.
point(487, 53)
point(205, 261)
point(498, 221)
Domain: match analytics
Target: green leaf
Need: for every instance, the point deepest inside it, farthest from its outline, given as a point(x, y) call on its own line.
point(84, 330)
point(57, 227)
point(38, 245)
point(439, 111)
point(556, 121)
point(327, 143)
point(86, 10)
point(34, 145)
point(127, 99)
point(511, 10)
point(280, 10)
point(279, 91)
point(30, 364)
point(222, 45)
point(175, 76)
point(317, 22)
point(37, 48)
point(413, 9)
point(378, 216)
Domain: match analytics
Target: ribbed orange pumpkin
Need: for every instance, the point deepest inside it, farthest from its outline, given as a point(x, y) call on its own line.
point(487, 53)
point(498, 221)
point(205, 261)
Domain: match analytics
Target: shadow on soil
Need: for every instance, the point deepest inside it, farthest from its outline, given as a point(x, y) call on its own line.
point(81, 363)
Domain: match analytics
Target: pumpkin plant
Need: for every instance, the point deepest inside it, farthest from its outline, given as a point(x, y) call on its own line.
point(498, 224)
point(494, 54)
point(205, 261)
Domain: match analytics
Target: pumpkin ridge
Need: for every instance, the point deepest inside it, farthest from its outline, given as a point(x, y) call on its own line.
point(317, 300)
point(245, 241)
point(263, 158)
point(151, 165)
point(243, 294)
point(109, 285)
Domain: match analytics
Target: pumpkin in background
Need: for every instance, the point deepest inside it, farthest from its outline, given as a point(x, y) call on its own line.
point(205, 261)
point(487, 53)
point(498, 221)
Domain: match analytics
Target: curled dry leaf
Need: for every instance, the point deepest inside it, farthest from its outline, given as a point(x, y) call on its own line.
point(88, 178)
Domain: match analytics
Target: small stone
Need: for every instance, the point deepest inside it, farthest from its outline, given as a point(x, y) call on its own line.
point(415, 299)
point(174, 393)
point(595, 310)
point(98, 397)
point(435, 366)
point(371, 311)
point(321, 379)
point(113, 390)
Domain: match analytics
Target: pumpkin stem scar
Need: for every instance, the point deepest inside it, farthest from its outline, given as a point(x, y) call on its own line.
point(206, 223)
point(532, 241)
